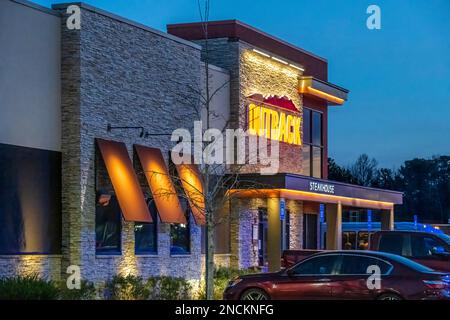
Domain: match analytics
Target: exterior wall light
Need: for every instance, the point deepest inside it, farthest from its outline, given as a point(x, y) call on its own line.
point(277, 59)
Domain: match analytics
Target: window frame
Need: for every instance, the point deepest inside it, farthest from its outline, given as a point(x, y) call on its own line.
point(311, 145)
point(336, 266)
point(187, 213)
point(388, 272)
point(112, 252)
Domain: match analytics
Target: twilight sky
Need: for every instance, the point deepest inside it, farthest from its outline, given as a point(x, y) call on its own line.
point(398, 77)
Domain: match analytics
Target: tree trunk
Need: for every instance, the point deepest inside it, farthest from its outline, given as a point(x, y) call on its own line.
point(209, 259)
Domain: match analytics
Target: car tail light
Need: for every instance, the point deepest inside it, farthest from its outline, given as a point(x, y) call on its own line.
point(444, 283)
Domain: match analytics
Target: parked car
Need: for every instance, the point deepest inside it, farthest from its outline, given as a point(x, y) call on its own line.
point(344, 275)
point(430, 249)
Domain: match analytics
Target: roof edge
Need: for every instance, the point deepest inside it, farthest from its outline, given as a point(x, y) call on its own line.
point(245, 25)
point(59, 6)
point(38, 7)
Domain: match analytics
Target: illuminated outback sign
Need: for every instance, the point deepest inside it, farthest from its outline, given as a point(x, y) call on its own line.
point(321, 187)
point(274, 123)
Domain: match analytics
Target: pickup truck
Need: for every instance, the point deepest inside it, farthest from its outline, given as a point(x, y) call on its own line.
point(429, 249)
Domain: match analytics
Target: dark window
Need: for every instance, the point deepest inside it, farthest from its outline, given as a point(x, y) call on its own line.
point(349, 240)
point(30, 201)
point(317, 129)
point(391, 243)
point(307, 126)
point(180, 235)
point(108, 218)
point(352, 264)
point(423, 246)
point(312, 143)
point(324, 265)
point(146, 234)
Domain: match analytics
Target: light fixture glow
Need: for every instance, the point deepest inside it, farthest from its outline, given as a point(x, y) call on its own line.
point(325, 95)
point(279, 60)
point(261, 53)
point(296, 67)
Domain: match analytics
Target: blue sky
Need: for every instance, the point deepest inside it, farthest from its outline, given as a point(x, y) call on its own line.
point(398, 77)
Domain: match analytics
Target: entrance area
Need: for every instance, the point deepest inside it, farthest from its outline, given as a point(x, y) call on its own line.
point(310, 225)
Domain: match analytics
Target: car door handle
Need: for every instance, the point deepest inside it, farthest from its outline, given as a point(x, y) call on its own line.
point(324, 280)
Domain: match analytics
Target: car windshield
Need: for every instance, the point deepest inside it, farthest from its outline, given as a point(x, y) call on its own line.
point(444, 237)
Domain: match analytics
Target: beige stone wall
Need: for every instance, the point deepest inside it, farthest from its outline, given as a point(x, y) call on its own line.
point(296, 224)
point(44, 266)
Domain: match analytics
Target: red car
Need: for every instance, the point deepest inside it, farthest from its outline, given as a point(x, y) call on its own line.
point(344, 275)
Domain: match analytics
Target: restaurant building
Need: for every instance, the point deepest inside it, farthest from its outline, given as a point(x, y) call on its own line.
point(86, 115)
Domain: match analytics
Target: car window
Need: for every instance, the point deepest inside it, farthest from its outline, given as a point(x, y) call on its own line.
point(354, 264)
point(392, 243)
point(317, 266)
point(422, 246)
point(349, 240)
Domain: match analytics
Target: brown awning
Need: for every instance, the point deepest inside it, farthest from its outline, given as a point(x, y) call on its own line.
point(124, 181)
point(191, 182)
point(163, 190)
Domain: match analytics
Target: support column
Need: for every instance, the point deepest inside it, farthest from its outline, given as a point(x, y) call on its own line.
point(334, 226)
point(273, 234)
point(387, 219)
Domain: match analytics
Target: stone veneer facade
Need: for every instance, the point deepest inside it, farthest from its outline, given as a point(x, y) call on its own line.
point(251, 73)
point(117, 73)
point(120, 73)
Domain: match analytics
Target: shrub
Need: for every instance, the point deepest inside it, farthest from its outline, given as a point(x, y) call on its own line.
point(222, 276)
point(27, 288)
point(168, 288)
point(127, 288)
point(86, 292)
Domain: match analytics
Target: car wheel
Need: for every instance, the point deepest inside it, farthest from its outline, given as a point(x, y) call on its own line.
point(254, 294)
point(389, 296)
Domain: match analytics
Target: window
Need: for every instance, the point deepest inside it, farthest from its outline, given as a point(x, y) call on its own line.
point(180, 235)
point(391, 243)
point(312, 143)
point(306, 160)
point(317, 162)
point(307, 126)
point(30, 201)
point(107, 225)
point(324, 265)
point(349, 240)
point(353, 265)
point(423, 246)
point(146, 234)
point(363, 240)
point(287, 230)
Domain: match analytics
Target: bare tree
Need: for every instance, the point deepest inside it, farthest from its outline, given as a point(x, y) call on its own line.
point(364, 170)
point(209, 197)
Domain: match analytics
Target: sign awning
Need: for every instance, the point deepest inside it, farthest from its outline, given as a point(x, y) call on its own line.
point(161, 186)
point(322, 90)
point(124, 180)
point(191, 182)
point(298, 187)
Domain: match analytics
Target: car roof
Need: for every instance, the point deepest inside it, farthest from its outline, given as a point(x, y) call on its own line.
point(381, 255)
